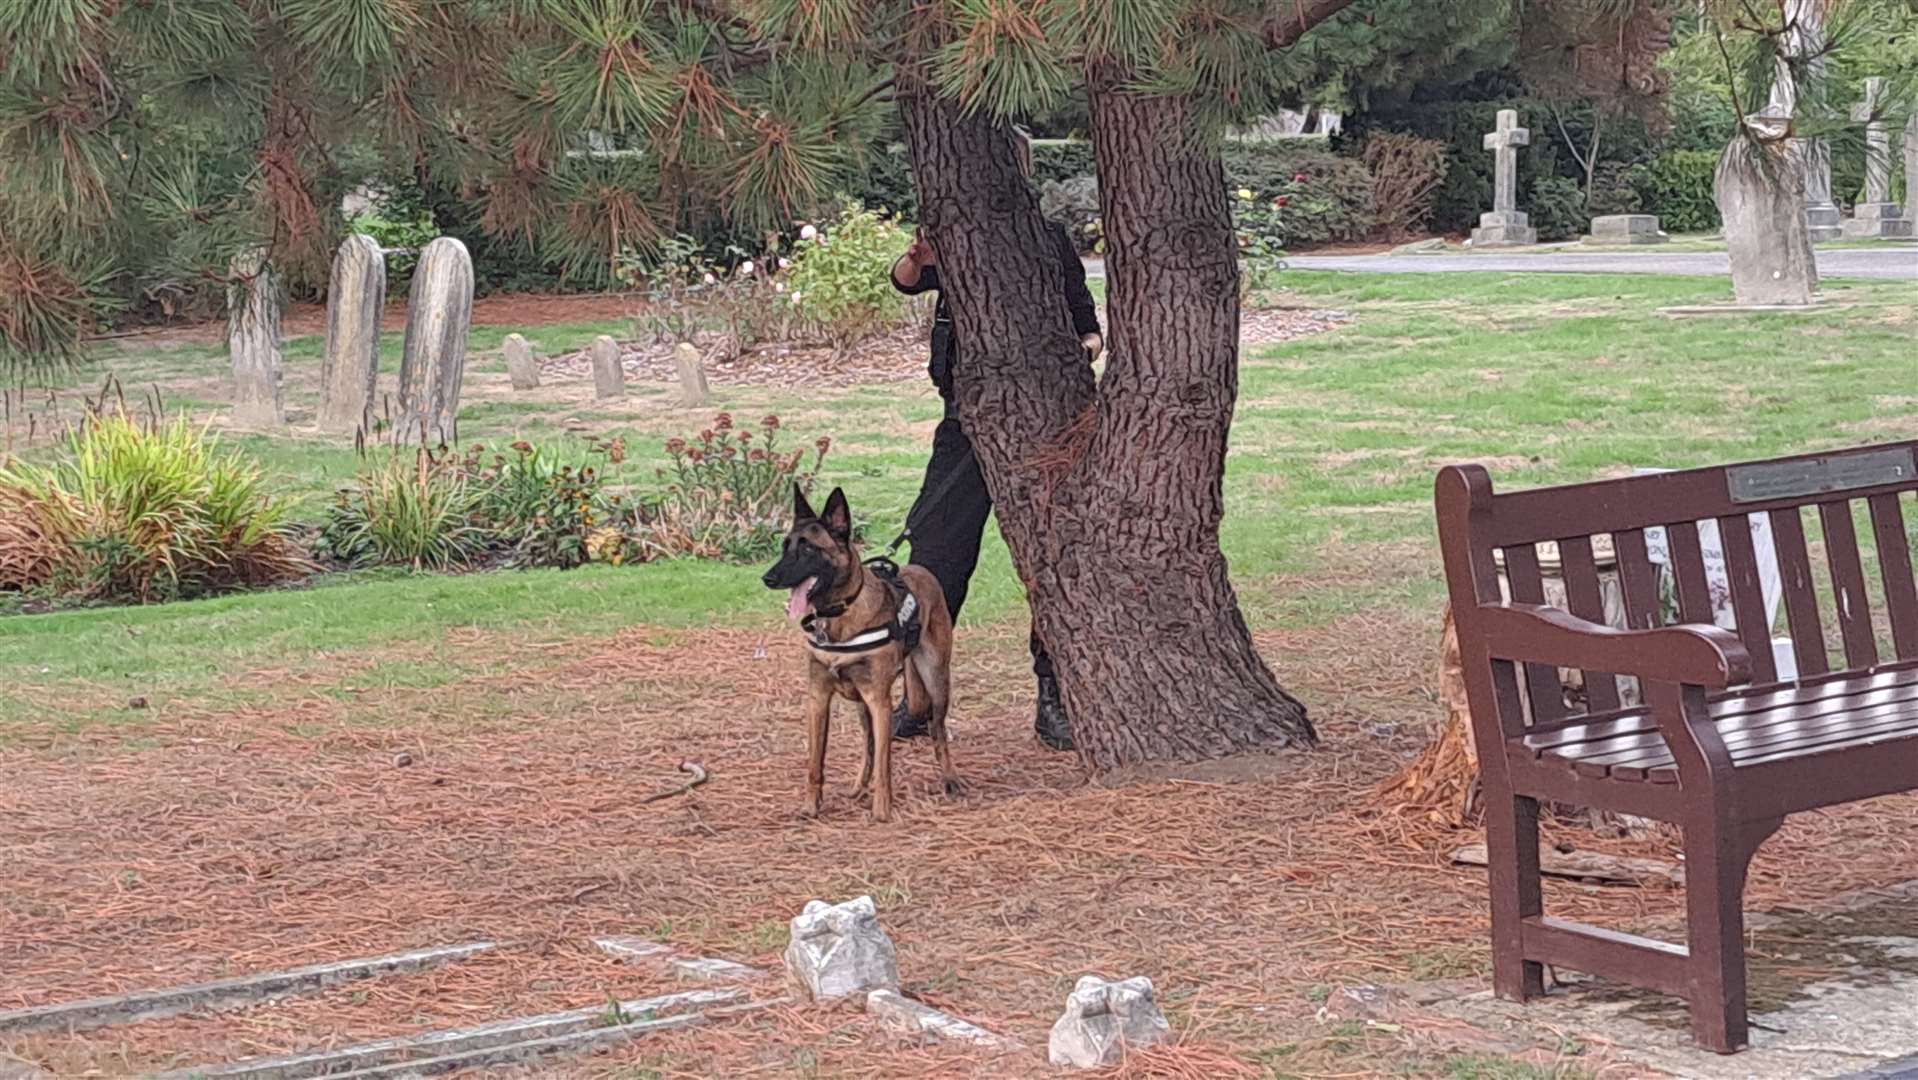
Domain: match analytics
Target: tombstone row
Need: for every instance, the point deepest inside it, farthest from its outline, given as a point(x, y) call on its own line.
point(439, 317)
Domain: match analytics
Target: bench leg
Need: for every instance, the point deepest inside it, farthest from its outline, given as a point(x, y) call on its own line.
point(1716, 859)
point(1511, 843)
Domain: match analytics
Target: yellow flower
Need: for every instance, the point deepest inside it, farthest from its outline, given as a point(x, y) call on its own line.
point(1245, 193)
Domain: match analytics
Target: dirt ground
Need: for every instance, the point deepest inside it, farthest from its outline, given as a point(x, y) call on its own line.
point(224, 843)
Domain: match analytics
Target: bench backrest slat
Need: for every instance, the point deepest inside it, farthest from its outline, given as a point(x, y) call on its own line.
point(1801, 592)
point(1638, 502)
point(1688, 569)
point(1894, 563)
point(1848, 583)
point(1748, 595)
point(1545, 692)
point(1586, 598)
point(1638, 580)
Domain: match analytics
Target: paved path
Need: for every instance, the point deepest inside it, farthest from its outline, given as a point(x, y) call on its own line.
point(1893, 263)
point(1889, 263)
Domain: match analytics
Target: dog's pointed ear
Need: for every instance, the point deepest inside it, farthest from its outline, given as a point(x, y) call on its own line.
point(838, 516)
point(802, 510)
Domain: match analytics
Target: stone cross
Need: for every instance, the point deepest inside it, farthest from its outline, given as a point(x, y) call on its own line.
point(253, 339)
point(1505, 225)
point(350, 370)
point(1877, 215)
point(609, 374)
point(439, 312)
point(1504, 144)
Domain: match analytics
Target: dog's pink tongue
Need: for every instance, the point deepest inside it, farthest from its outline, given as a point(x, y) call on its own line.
point(796, 604)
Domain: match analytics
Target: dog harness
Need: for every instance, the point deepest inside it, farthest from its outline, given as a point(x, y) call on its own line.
point(903, 627)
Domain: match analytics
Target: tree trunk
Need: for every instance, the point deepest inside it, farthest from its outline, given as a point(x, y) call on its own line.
point(1109, 498)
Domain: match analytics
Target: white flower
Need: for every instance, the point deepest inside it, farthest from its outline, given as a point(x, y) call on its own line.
point(785, 263)
point(710, 279)
point(808, 233)
point(779, 286)
point(746, 268)
point(795, 296)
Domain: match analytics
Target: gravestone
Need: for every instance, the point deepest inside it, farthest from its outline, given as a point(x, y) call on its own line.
point(439, 312)
point(1811, 158)
point(1626, 229)
point(355, 299)
point(1505, 225)
point(1103, 1020)
point(609, 375)
point(521, 366)
point(1911, 167)
point(840, 950)
point(253, 339)
point(1331, 122)
point(1761, 196)
point(692, 377)
point(1877, 215)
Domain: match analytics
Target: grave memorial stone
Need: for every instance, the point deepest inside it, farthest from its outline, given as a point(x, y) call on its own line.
point(1505, 225)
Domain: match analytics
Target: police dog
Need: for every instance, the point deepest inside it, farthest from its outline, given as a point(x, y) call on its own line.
point(859, 644)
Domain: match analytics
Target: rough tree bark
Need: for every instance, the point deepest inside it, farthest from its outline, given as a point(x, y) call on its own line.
point(1110, 497)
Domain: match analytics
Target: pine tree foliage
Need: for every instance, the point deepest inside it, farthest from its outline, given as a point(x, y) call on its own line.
point(162, 136)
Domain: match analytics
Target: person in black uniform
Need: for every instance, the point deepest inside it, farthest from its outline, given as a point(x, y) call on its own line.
point(946, 532)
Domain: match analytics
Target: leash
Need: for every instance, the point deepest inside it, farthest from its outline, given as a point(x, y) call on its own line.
point(926, 501)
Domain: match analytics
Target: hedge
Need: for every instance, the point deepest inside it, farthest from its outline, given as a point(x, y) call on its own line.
point(1329, 197)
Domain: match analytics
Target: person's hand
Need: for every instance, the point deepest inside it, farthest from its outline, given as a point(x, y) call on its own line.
point(1094, 345)
point(921, 253)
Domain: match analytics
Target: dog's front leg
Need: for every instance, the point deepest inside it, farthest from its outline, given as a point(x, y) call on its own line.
point(865, 771)
point(818, 724)
point(877, 695)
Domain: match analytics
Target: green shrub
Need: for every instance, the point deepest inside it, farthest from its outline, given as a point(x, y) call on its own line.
point(1557, 208)
point(728, 494)
point(400, 220)
point(1327, 198)
point(1062, 159)
point(886, 183)
point(142, 512)
point(1677, 186)
point(840, 278)
point(417, 509)
point(539, 511)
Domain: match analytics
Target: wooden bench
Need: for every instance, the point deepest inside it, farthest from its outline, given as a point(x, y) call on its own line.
point(1722, 747)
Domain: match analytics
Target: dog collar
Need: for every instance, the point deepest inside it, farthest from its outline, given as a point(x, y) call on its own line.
point(902, 627)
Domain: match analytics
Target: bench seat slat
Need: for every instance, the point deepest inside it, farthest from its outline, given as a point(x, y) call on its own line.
point(1759, 727)
point(1561, 739)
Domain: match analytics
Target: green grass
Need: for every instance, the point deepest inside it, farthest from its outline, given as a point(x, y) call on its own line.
point(1550, 378)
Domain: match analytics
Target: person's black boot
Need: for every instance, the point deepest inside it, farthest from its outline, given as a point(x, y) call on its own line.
point(905, 725)
point(1049, 722)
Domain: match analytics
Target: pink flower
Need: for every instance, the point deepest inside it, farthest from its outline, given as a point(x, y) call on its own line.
point(1282, 200)
point(1298, 178)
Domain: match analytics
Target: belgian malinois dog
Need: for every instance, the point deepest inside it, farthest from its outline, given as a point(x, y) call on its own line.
point(866, 625)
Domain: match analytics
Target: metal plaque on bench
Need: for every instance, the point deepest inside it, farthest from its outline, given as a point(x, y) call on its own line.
point(1771, 480)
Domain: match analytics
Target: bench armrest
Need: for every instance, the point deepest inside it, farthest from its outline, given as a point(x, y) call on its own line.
point(1692, 655)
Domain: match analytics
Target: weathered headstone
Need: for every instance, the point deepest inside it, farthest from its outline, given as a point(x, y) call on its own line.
point(1505, 225)
point(1626, 229)
point(839, 950)
point(692, 377)
point(521, 366)
point(355, 299)
point(1105, 1019)
point(1877, 215)
point(609, 375)
point(1761, 197)
point(439, 312)
point(253, 339)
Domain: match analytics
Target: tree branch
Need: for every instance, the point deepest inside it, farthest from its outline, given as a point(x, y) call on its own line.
point(1288, 20)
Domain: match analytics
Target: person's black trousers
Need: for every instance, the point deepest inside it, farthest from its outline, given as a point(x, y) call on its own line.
point(945, 540)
